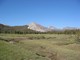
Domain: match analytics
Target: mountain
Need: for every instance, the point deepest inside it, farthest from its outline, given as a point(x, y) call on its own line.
point(70, 28)
point(51, 28)
point(31, 28)
point(37, 27)
point(15, 29)
point(6, 27)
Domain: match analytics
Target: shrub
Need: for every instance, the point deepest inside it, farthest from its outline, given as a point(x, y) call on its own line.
point(78, 39)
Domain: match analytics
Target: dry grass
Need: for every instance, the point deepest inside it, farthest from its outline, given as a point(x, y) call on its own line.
point(51, 47)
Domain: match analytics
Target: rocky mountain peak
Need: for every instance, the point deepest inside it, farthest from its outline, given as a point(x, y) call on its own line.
point(37, 27)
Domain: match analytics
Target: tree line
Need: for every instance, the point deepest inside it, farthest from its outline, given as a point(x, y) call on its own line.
point(24, 30)
point(28, 31)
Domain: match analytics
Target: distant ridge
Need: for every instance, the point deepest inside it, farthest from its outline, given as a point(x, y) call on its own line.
point(70, 28)
point(33, 27)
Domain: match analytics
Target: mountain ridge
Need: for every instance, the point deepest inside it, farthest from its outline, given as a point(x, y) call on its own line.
point(32, 27)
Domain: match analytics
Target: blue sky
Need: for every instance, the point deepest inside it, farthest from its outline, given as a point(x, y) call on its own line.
point(58, 13)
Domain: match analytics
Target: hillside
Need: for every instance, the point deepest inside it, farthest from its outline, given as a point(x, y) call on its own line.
point(15, 29)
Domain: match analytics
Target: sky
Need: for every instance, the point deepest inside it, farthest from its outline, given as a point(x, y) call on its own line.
point(57, 13)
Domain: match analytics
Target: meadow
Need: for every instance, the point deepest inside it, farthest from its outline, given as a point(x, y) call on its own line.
point(39, 47)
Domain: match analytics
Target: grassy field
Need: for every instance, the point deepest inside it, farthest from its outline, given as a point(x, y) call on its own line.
point(39, 47)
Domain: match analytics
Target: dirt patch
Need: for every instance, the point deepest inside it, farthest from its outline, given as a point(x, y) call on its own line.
point(43, 52)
